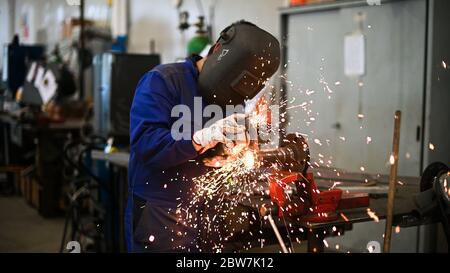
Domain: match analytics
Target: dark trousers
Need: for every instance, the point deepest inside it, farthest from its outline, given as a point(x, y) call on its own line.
point(157, 229)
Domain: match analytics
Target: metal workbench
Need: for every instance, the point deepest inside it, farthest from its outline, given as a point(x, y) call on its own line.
point(313, 233)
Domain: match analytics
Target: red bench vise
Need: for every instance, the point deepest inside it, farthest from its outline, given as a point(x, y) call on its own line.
point(310, 204)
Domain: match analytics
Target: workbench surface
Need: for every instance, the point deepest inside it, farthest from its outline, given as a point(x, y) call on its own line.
point(404, 203)
point(325, 178)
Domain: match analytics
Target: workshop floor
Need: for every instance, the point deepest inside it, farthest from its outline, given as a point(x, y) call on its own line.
point(22, 229)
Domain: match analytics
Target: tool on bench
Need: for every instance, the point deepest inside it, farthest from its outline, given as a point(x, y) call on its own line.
point(308, 203)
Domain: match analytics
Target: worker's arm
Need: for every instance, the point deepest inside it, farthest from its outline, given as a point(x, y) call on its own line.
point(150, 121)
point(227, 131)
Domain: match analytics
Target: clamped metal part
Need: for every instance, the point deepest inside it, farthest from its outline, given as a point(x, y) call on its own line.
point(309, 204)
point(293, 154)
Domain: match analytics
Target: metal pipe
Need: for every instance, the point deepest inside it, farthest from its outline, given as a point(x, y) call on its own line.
point(393, 160)
point(81, 52)
point(277, 234)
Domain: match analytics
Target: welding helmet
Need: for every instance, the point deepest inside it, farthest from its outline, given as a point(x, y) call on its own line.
point(239, 64)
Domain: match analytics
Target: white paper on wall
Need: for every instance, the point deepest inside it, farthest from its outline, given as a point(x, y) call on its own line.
point(354, 55)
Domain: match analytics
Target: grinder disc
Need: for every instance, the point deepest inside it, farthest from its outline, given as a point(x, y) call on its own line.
point(433, 170)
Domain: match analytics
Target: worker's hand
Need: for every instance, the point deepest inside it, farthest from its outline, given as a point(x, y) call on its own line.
point(230, 131)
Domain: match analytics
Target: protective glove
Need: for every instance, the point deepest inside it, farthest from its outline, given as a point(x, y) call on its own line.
point(230, 131)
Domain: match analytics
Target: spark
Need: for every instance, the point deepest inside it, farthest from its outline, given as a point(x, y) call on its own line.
point(373, 215)
point(392, 160)
point(151, 238)
point(249, 159)
point(220, 190)
point(431, 146)
point(317, 141)
point(308, 92)
point(337, 83)
point(368, 139)
point(397, 229)
point(362, 168)
point(342, 138)
point(360, 116)
point(334, 185)
point(444, 65)
point(344, 217)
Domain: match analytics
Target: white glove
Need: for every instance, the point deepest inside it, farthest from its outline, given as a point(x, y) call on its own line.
point(229, 131)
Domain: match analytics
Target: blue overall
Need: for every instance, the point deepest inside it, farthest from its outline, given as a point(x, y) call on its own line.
point(160, 168)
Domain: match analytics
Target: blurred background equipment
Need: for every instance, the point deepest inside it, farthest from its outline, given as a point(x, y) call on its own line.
point(119, 24)
point(46, 82)
point(201, 40)
point(115, 77)
point(203, 33)
point(434, 199)
point(16, 60)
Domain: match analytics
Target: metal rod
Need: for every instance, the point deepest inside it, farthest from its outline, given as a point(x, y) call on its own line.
point(277, 234)
point(81, 51)
point(393, 160)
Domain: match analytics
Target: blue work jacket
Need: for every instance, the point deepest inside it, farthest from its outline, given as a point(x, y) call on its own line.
point(160, 167)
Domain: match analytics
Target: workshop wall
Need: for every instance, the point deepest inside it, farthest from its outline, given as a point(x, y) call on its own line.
point(392, 81)
point(42, 21)
point(158, 20)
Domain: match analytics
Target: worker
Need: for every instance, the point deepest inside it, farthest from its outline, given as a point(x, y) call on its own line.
point(162, 166)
